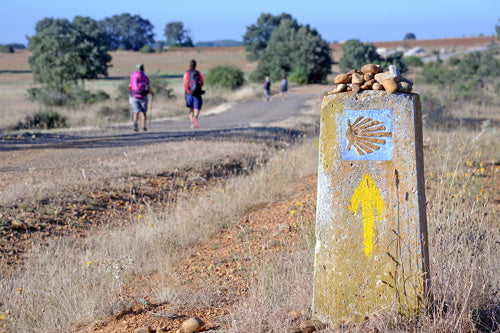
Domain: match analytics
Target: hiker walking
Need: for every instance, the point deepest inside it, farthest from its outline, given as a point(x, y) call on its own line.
point(284, 87)
point(267, 88)
point(193, 84)
point(139, 89)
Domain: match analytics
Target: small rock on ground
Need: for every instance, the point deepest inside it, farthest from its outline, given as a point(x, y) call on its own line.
point(192, 325)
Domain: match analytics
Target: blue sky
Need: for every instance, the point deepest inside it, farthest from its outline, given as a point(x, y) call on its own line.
point(210, 20)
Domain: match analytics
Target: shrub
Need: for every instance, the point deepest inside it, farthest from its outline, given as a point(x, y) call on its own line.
point(453, 61)
point(79, 96)
point(82, 96)
point(464, 76)
point(298, 75)
point(69, 96)
point(413, 61)
point(147, 49)
point(227, 77)
point(255, 76)
point(6, 49)
point(42, 120)
point(435, 73)
point(99, 96)
point(160, 87)
point(484, 64)
point(47, 96)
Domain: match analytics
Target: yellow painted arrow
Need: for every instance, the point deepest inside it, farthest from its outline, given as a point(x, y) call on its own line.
point(368, 197)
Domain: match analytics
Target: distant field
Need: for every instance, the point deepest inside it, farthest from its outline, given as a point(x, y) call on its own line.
point(15, 66)
point(176, 60)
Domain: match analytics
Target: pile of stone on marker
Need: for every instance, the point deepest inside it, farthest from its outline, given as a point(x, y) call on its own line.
point(371, 78)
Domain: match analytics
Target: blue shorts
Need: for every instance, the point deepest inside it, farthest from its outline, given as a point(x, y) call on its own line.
point(140, 104)
point(194, 102)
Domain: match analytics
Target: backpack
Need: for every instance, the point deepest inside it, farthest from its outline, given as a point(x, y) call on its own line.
point(193, 86)
point(138, 84)
point(267, 85)
point(284, 84)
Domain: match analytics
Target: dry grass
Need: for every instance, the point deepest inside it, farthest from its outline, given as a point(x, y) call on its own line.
point(464, 251)
point(463, 229)
point(82, 277)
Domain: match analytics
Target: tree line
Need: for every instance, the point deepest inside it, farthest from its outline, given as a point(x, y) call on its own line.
point(66, 53)
point(121, 32)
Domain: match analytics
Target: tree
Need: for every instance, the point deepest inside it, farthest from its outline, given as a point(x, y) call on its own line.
point(293, 47)
point(356, 55)
point(128, 32)
point(257, 35)
point(18, 46)
point(410, 36)
point(176, 35)
point(95, 34)
point(65, 52)
point(6, 49)
point(159, 46)
point(497, 28)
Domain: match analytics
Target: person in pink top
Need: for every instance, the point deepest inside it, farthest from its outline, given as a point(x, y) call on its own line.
point(139, 89)
point(193, 84)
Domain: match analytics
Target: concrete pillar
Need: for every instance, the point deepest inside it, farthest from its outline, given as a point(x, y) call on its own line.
point(371, 229)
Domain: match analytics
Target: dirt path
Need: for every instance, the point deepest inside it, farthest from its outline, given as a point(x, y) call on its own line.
point(252, 119)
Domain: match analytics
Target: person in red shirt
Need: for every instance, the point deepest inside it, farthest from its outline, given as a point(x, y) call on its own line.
point(193, 84)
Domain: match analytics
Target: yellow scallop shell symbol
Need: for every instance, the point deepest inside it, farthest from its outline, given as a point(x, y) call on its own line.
point(365, 135)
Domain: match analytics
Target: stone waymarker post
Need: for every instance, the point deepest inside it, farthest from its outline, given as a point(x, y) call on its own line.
point(371, 230)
